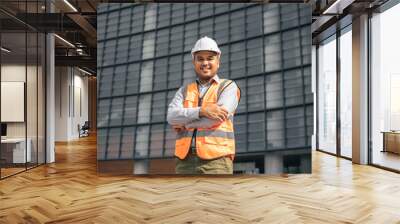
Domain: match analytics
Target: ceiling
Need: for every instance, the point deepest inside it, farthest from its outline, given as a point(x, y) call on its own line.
point(76, 25)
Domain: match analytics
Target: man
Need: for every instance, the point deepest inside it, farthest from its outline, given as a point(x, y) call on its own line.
point(202, 115)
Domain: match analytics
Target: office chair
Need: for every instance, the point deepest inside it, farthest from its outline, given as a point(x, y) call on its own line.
point(84, 130)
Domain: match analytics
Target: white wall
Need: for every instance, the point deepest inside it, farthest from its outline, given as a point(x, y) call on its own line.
point(79, 117)
point(61, 103)
point(12, 73)
point(33, 126)
point(71, 93)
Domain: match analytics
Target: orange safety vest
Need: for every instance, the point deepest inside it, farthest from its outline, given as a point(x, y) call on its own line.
point(211, 143)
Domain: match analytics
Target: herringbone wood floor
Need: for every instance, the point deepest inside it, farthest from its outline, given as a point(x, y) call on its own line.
point(70, 191)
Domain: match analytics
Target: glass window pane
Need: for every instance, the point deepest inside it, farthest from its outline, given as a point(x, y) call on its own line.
point(116, 111)
point(119, 80)
point(255, 56)
point(295, 127)
point(255, 93)
point(137, 19)
point(310, 123)
point(223, 70)
point(175, 71)
point(132, 82)
point(237, 26)
point(146, 76)
point(188, 70)
point(127, 143)
point(162, 42)
point(327, 96)
point(240, 125)
point(305, 15)
point(221, 29)
point(105, 77)
point(170, 137)
point(101, 26)
point(221, 7)
point(175, 45)
point(164, 12)
point(256, 132)
point(309, 96)
point(385, 86)
point(274, 91)
point(142, 141)
point(130, 110)
point(346, 94)
point(237, 59)
point(112, 24)
point(150, 16)
point(272, 51)
point(291, 48)
point(158, 107)
point(254, 25)
point(178, 12)
point(148, 45)
point(160, 74)
point(144, 108)
point(271, 18)
point(294, 88)
point(157, 140)
point(135, 48)
point(243, 95)
point(289, 15)
point(192, 11)
point(206, 9)
point(109, 52)
point(113, 143)
point(306, 39)
point(191, 33)
point(206, 27)
point(103, 111)
point(101, 143)
point(125, 21)
point(275, 130)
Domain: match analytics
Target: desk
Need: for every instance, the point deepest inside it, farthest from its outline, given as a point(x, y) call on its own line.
point(15, 148)
point(391, 141)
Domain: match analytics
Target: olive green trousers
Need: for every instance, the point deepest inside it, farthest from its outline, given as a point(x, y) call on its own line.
point(192, 164)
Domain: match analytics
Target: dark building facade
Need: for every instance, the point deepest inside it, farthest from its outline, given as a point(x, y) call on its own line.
point(144, 57)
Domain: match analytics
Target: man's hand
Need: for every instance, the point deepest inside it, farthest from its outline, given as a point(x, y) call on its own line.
point(213, 111)
point(178, 128)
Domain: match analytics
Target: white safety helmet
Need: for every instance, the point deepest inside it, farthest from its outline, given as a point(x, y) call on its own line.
point(206, 44)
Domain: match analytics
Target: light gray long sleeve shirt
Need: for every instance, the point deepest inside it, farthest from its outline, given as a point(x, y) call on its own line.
point(189, 117)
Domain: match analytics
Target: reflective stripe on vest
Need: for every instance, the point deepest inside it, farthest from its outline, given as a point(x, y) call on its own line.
point(206, 133)
point(212, 142)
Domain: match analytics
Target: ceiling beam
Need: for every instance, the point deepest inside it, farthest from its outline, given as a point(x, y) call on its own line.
point(81, 21)
point(83, 61)
point(337, 7)
point(89, 30)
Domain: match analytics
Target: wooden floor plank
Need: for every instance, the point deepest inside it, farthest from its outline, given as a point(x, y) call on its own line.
point(70, 191)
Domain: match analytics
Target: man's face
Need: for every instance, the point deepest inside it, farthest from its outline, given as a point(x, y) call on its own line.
point(206, 64)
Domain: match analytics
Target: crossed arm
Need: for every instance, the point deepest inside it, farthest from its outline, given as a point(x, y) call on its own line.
point(205, 117)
